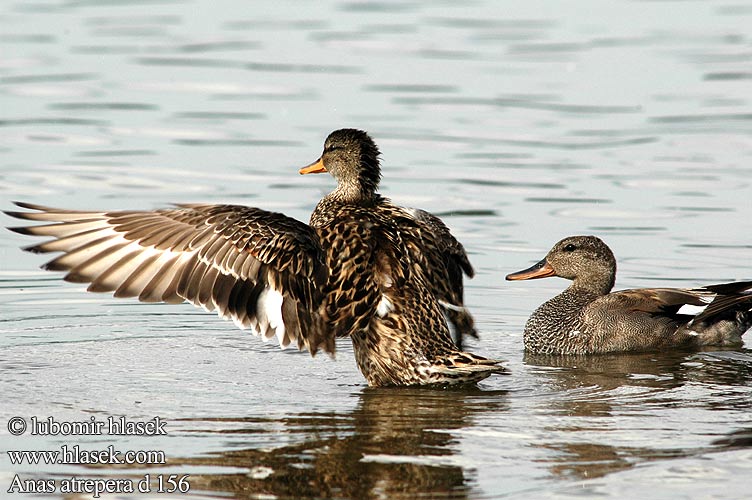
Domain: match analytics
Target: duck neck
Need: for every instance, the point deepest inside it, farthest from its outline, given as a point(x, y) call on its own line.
point(592, 286)
point(353, 192)
point(575, 298)
point(556, 326)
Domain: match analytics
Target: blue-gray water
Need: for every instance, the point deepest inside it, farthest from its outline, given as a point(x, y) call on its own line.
point(518, 122)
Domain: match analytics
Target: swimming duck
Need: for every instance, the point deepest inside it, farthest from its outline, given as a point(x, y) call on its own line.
point(588, 318)
point(363, 268)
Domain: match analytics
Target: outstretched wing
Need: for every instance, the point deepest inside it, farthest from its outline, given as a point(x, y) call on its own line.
point(444, 261)
point(263, 270)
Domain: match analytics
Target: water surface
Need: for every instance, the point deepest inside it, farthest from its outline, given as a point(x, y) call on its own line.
point(517, 123)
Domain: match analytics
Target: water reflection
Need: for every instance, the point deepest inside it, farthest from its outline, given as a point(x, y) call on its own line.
point(664, 370)
point(575, 460)
point(599, 394)
point(395, 443)
point(512, 122)
point(592, 460)
point(611, 371)
point(741, 438)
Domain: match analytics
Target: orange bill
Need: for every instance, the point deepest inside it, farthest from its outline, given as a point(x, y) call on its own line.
point(540, 270)
point(316, 167)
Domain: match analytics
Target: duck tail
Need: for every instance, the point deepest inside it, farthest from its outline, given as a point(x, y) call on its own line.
point(464, 368)
point(727, 317)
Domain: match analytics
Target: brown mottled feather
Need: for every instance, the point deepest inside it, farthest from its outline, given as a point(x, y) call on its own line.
point(363, 268)
point(444, 261)
point(588, 318)
point(186, 253)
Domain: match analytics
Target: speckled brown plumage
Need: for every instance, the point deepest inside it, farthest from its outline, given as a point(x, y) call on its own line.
point(586, 318)
point(362, 268)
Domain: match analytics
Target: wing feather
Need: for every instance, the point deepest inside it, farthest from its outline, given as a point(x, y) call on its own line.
point(261, 269)
point(443, 260)
point(134, 284)
point(162, 287)
point(110, 279)
point(654, 300)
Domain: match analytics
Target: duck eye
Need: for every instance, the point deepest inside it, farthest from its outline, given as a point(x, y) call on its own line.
point(570, 247)
point(332, 148)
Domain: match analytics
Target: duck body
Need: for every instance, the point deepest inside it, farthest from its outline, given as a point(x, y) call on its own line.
point(587, 318)
point(362, 268)
point(387, 306)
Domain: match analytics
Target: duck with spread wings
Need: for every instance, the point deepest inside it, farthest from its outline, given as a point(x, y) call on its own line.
point(364, 268)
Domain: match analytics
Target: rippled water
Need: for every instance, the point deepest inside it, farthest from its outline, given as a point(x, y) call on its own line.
point(519, 123)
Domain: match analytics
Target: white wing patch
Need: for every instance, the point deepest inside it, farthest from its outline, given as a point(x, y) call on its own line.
point(385, 306)
point(269, 315)
point(386, 280)
point(692, 310)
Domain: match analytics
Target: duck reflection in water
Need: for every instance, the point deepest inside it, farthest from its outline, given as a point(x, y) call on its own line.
point(594, 394)
point(393, 444)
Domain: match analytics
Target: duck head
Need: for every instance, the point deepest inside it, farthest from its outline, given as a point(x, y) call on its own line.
point(352, 158)
point(586, 260)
